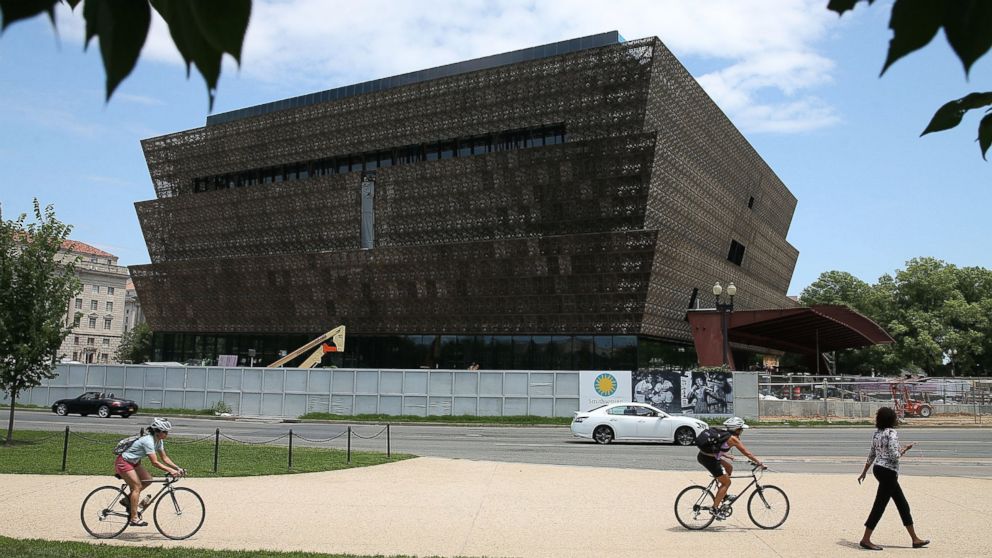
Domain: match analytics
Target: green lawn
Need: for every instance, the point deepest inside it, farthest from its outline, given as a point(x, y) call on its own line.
point(40, 452)
point(35, 548)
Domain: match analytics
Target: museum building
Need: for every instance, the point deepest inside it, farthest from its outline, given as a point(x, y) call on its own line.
point(559, 207)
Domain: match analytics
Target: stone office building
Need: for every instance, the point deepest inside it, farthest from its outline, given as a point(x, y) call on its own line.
point(97, 312)
point(558, 207)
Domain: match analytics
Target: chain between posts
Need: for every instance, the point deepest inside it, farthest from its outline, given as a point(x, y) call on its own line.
point(350, 431)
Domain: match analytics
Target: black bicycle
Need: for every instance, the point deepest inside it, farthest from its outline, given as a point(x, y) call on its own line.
point(178, 511)
point(768, 505)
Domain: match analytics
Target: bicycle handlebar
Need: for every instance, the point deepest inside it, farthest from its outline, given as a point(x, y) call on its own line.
point(758, 470)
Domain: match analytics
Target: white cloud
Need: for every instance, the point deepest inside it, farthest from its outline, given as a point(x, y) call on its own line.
point(766, 49)
point(51, 116)
point(138, 99)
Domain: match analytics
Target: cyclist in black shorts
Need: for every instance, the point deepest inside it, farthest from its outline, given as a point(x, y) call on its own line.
point(719, 463)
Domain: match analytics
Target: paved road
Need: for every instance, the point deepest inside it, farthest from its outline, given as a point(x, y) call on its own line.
point(963, 452)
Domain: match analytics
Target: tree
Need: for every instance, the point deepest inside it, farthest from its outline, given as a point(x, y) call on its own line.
point(36, 285)
point(136, 345)
point(837, 287)
point(967, 25)
point(202, 31)
point(939, 315)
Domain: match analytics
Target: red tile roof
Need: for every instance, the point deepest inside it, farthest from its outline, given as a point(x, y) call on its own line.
point(83, 248)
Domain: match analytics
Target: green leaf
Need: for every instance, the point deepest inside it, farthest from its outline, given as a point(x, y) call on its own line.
point(223, 23)
point(949, 115)
point(122, 26)
point(968, 26)
point(841, 6)
point(189, 39)
point(914, 24)
point(15, 10)
point(985, 134)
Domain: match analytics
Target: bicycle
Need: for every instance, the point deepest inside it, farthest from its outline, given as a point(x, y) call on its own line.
point(768, 506)
point(178, 513)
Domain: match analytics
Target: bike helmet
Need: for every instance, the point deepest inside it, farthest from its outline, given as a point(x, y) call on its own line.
point(735, 423)
point(161, 425)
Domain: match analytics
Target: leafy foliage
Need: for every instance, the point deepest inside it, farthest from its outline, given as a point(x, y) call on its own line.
point(136, 345)
point(202, 31)
point(940, 316)
point(967, 24)
point(36, 285)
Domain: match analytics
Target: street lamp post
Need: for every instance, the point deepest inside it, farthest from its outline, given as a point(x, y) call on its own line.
point(725, 308)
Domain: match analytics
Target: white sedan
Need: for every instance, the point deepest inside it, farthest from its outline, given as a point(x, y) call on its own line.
point(635, 421)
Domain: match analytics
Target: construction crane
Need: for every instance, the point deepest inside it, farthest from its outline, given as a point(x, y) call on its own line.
point(336, 336)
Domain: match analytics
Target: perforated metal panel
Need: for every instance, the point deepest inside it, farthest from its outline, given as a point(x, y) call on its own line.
point(606, 233)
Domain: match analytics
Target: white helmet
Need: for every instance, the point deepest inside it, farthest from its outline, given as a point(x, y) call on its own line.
point(735, 423)
point(161, 425)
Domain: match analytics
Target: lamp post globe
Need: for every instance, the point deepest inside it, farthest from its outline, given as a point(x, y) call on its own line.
point(725, 308)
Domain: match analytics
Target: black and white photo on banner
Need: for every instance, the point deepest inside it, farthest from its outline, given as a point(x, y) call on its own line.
point(692, 392)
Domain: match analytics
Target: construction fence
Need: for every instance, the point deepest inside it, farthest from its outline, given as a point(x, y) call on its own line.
point(801, 396)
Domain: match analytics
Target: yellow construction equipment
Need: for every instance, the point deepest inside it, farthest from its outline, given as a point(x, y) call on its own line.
point(336, 336)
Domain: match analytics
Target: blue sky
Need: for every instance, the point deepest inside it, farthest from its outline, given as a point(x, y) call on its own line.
point(799, 82)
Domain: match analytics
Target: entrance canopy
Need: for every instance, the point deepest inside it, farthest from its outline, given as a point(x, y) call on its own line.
point(811, 331)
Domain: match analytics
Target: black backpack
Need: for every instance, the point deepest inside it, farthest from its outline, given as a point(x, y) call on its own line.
point(712, 439)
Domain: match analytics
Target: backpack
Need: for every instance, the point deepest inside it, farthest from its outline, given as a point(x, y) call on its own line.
point(125, 444)
point(712, 439)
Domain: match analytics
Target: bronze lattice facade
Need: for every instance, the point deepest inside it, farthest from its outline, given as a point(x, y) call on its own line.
point(585, 192)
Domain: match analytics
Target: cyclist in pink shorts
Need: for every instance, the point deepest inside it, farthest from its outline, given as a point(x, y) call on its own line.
point(128, 464)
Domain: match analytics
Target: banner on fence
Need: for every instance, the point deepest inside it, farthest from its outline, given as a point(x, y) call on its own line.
point(602, 388)
point(691, 392)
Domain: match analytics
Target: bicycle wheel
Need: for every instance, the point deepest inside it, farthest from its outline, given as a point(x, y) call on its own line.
point(692, 507)
point(179, 513)
point(768, 506)
point(102, 513)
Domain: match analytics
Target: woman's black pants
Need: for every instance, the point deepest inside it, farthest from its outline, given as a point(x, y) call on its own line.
point(888, 487)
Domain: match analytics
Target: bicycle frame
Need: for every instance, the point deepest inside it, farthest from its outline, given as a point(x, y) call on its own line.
point(714, 484)
point(167, 487)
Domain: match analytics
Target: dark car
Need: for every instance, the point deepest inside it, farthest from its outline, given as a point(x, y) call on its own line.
point(95, 403)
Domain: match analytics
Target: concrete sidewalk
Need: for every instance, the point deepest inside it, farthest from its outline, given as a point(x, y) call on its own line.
point(445, 507)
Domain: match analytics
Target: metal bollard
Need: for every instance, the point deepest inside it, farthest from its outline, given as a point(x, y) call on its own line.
point(388, 454)
point(65, 448)
point(290, 448)
point(216, 447)
point(349, 444)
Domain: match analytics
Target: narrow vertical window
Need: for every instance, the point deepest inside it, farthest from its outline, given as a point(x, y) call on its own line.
point(367, 232)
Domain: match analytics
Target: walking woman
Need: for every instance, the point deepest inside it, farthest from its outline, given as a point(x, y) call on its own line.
point(885, 453)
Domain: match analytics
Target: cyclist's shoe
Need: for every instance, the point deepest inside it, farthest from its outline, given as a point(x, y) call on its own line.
point(138, 523)
point(126, 502)
point(729, 498)
point(718, 514)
